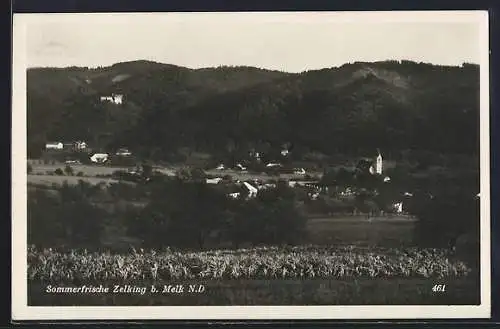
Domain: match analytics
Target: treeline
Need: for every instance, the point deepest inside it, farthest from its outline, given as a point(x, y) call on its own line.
point(171, 213)
point(350, 109)
point(186, 213)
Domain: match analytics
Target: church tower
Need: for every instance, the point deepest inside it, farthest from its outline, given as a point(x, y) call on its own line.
point(378, 168)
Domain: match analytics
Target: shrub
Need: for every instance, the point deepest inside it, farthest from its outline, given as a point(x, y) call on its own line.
point(68, 170)
point(58, 172)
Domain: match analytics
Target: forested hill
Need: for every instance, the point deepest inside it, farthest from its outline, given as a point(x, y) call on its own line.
point(355, 107)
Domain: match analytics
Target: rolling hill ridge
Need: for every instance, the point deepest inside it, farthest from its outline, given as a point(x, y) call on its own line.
point(395, 105)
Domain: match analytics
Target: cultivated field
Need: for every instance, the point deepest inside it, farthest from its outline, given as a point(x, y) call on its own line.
point(71, 180)
point(87, 170)
point(265, 276)
point(40, 168)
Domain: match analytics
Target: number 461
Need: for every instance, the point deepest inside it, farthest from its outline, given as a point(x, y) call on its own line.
point(439, 288)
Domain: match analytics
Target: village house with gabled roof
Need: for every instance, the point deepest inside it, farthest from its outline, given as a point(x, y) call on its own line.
point(54, 146)
point(114, 98)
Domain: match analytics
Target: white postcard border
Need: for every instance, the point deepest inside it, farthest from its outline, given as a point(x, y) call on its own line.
point(21, 311)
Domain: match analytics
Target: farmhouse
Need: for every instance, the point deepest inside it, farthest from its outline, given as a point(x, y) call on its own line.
point(114, 98)
point(242, 189)
point(241, 167)
point(54, 146)
point(252, 191)
point(99, 157)
point(216, 180)
point(299, 171)
point(80, 145)
point(273, 164)
point(398, 207)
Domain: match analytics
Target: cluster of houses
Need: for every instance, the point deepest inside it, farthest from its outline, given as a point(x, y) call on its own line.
point(104, 157)
point(250, 189)
point(72, 146)
point(83, 146)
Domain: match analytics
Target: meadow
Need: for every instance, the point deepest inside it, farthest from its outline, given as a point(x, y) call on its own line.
point(361, 230)
point(39, 168)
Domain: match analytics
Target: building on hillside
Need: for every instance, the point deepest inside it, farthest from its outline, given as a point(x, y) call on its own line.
point(114, 98)
point(240, 167)
point(99, 157)
point(106, 99)
point(299, 171)
point(117, 98)
point(54, 146)
point(80, 145)
point(398, 207)
point(216, 180)
point(252, 191)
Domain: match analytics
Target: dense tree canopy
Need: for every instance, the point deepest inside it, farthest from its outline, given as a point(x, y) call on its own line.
point(348, 109)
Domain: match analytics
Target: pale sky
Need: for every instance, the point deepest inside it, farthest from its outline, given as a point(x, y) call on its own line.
point(291, 42)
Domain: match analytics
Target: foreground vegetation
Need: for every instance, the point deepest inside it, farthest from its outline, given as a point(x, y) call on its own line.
point(308, 275)
point(257, 263)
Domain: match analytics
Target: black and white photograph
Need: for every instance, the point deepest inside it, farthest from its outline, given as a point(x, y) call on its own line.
point(251, 165)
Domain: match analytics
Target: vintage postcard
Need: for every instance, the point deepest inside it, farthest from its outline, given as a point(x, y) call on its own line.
point(241, 165)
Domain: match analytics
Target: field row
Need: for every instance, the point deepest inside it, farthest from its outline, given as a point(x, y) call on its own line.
point(267, 263)
point(95, 170)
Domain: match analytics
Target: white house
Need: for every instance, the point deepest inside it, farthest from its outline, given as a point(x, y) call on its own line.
point(117, 98)
point(106, 99)
point(216, 180)
point(54, 146)
point(398, 207)
point(234, 195)
point(266, 186)
point(299, 171)
point(80, 145)
point(99, 157)
point(114, 98)
point(273, 164)
point(241, 167)
point(252, 191)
